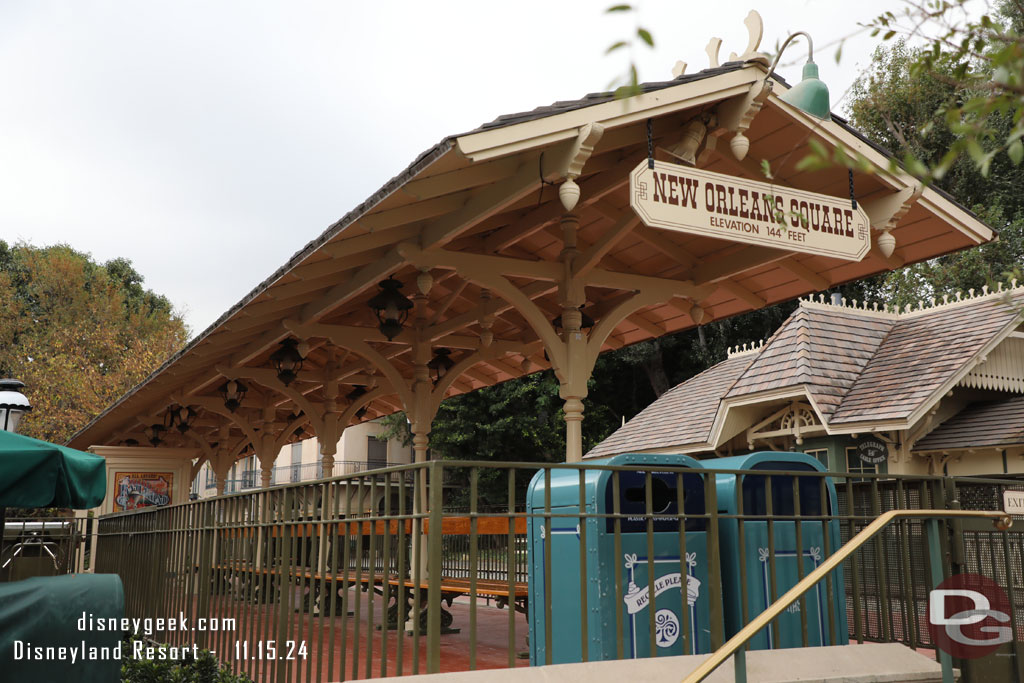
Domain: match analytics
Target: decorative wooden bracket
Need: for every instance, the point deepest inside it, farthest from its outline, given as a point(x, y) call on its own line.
point(588, 137)
point(736, 115)
point(755, 30)
point(887, 211)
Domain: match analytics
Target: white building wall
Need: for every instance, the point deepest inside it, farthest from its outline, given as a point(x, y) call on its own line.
point(351, 457)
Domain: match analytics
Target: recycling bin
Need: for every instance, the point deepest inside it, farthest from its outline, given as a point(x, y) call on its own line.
point(680, 602)
point(756, 569)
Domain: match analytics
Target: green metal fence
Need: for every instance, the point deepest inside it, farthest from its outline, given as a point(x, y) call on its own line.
point(369, 574)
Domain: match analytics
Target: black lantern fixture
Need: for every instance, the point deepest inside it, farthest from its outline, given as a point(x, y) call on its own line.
point(179, 417)
point(440, 364)
point(391, 307)
point(13, 404)
point(153, 434)
point(232, 392)
point(355, 394)
point(287, 361)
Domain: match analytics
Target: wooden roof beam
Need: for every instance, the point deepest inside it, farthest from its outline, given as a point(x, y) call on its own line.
point(660, 241)
point(819, 282)
point(624, 224)
point(592, 189)
point(734, 263)
point(742, 293)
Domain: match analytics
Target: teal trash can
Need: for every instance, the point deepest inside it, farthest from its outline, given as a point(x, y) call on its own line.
point(680, 601)
point(757, 571)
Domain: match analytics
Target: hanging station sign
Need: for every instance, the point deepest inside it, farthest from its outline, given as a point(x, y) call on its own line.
point(693, 201)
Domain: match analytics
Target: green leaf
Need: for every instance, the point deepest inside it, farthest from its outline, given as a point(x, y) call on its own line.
point(645, 36)
point(1016, 152)
point(619, 8)
point(615, 46)
point(766, 169)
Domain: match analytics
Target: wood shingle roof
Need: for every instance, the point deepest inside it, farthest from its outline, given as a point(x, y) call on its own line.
point(682, 415)
point(855, 365)
point(995, 423)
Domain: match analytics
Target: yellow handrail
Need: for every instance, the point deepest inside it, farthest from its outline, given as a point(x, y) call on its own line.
point(1002, 522)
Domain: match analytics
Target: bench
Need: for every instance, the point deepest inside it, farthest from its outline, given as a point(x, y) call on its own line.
point(492, 587)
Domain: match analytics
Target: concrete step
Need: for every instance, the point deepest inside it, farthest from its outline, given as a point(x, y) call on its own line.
point(868, 663)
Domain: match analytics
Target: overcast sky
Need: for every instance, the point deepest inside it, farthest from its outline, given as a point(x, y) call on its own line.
point(209, 140)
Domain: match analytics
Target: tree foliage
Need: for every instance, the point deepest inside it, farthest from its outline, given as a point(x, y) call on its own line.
point(900, 105)
point(78, 333)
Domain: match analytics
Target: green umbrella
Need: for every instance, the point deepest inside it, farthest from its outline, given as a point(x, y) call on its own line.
point(39, 474)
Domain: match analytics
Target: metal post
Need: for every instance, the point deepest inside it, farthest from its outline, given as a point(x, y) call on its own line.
point(935, 568)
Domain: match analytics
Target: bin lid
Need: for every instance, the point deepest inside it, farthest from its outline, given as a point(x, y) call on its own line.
point(753, 485)
point(565, 481)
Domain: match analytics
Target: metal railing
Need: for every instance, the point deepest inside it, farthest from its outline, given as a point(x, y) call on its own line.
point(293, 474)
point(326, 563)
point(735, 644)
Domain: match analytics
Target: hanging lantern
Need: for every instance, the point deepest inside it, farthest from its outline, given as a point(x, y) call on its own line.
point(13, 404)
point(440, 364)
point(153, 434)
point(287, 361)
point(232, 392)
point(179, 417)
point(391, 307)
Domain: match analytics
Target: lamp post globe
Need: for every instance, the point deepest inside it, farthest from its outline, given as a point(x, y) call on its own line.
point(13, 404)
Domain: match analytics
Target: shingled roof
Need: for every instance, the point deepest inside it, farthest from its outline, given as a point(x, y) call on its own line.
point(995, 423)
point(855, 364)
point(682, 415)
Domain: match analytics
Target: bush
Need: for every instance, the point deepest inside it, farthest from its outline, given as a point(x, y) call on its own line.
point(202, 669)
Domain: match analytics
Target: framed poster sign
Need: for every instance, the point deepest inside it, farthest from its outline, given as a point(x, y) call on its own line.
point(136, 490)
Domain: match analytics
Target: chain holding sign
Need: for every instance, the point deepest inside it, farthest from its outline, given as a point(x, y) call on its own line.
point(684, 199)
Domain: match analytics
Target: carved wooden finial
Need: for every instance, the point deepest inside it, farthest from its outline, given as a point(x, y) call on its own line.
point(679, 69)
point(971, 293)
point(984, 289)
point(945, 298)
point(959, 295)
point(999, 286)
point(755, 31)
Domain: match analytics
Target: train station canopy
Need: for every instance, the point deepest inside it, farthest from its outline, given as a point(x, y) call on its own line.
point(541, 239)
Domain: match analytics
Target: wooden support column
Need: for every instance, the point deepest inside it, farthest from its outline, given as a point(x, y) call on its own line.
point(266, 447)
point(576, 371)
point(330, 420)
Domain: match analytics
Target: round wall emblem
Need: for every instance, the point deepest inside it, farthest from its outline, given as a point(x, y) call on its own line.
point(666, 627)
point(872, 451)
